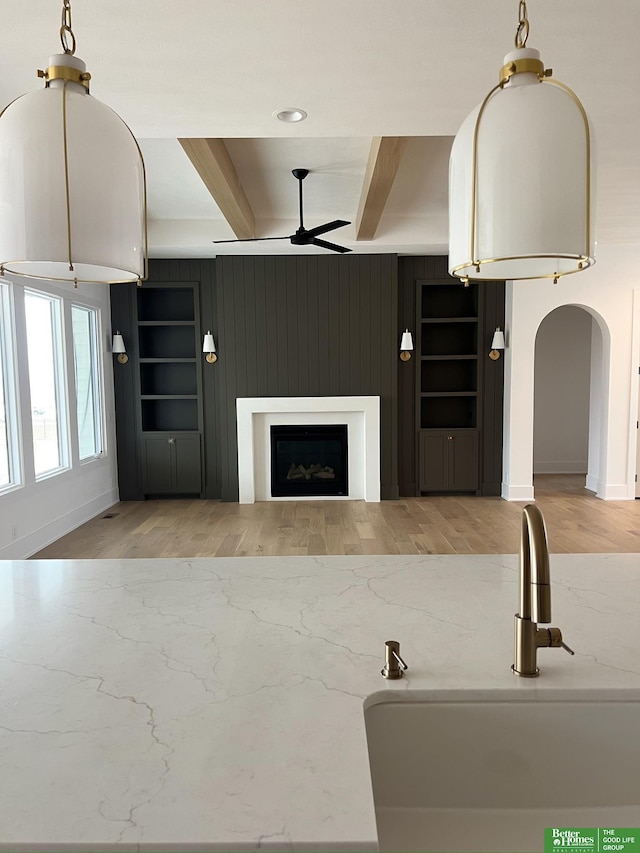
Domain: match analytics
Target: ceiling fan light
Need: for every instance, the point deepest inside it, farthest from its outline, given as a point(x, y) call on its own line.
point(72, 186)
point(521, 179)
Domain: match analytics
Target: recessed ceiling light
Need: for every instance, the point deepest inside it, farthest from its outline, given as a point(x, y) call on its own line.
point(291, 114)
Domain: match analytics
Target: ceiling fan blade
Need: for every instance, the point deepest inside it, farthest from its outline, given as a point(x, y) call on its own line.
point(333, 246)
point(251, 239)
point(328, 226)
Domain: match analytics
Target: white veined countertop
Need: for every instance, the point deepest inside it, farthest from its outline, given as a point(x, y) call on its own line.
point(217, 704)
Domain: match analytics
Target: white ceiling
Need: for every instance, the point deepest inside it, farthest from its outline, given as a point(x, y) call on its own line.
point(360, 68)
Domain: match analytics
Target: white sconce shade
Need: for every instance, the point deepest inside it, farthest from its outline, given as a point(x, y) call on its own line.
point(209, 347)
point(521, 180)
point(72, 185)
point(498, 340)
point(407, 341)
point(406, 345)
point(497, 344)
point(118, 348)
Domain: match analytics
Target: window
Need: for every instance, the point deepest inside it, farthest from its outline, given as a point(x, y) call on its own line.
point(87, 375)
point(46, 382)
point(9, 432)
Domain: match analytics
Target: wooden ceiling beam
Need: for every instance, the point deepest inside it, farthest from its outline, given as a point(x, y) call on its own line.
point(384, 158)
point(212, 162)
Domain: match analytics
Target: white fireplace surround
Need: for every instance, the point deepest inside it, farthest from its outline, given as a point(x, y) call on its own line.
point(255, 416)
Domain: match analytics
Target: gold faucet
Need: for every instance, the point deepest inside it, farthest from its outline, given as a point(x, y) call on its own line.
point(535, 596)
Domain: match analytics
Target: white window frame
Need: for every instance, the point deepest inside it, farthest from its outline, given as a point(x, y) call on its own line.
point(98, 373)
point(60, 380)
point(8, 366)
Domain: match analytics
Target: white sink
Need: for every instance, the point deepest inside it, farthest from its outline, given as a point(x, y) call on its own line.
point(488, 771)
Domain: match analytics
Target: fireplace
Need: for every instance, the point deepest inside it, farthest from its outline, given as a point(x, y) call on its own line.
point(256, 416)
point(309, 460)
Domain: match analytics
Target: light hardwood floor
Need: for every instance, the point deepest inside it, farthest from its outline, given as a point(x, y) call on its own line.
point(577, 522)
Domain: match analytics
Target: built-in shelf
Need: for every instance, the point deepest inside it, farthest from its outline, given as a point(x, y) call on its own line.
point(448, 411)
point(449, 320)
point(449, 394)
point(449, 357)
point(168, 360)
point(169, 397)
point(440, 429)
point(166, 323)
point(169, 414)
point(162, 340)
point(449, 301)
point(165, 304)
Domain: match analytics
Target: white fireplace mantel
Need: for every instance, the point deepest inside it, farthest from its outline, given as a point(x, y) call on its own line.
point(255, 416)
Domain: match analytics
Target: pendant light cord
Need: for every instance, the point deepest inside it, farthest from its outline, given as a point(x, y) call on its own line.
point(522, 33)
point(67, 37)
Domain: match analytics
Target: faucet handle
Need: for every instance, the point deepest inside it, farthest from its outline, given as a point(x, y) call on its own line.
point(552, 638)
point(393, 661)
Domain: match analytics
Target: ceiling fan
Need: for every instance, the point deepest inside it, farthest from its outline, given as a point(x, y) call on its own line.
point(303, 236)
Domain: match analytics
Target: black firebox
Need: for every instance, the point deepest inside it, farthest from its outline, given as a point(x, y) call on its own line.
point(309, 461)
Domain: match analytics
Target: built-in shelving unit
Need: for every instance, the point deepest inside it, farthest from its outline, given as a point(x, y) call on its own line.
point(169, 385)
point(448, 386)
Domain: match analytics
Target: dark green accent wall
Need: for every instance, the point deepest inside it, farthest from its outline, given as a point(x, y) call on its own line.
point(284, 326)
point(304, 326)
point(125, 392)
point(307, 326)
point(492, 398)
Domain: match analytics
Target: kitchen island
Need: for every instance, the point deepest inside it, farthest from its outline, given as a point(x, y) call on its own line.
point(217, 704)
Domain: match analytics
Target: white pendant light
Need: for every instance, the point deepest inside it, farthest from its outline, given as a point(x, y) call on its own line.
point(521, 178)
point(72, 181)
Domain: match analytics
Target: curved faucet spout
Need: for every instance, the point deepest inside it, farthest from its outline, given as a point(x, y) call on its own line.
point(535, 582)
point(535, 596)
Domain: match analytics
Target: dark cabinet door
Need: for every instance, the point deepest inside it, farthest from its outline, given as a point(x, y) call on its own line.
point(449, 461)
point(434, 462)
point(157, 475)
point(463, 461)
point(172, 465)
point(188, 465)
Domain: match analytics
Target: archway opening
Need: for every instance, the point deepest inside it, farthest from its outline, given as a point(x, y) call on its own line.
point(569, 420)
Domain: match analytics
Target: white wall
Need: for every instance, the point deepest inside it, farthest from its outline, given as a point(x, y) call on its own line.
point(36, 513)
point(608, 290)
point(561, 392)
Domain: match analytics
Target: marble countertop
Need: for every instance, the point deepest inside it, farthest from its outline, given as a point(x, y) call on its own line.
point(217, 704)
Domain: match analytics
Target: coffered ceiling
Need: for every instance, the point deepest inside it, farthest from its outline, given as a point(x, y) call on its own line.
point(362, 70)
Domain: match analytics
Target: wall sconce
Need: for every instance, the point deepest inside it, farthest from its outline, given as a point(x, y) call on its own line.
point(406, 345)
point(497, 344)
point(119, 348)
point(209, 346)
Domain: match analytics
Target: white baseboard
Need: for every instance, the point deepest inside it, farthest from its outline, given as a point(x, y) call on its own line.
point(556, 467)
point(591, 483)
point(615, 492)
point(517, 493)
point(24, 547)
